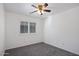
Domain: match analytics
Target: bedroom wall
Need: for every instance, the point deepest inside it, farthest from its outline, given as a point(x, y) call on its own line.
point(62, 30)
point(13, 36)
point(2, 29)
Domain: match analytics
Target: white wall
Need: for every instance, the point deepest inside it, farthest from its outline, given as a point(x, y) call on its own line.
point(13, 36)
point(2, 31)
point(62, 30)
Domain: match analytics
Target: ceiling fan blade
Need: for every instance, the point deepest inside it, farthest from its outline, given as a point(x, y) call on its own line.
point(41, 13)
point(47, 10)
point(34, 11)
point(46, 4)
point(34, 6)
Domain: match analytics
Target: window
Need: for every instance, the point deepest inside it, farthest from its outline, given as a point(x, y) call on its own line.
point(24, 27)
point(32, 27)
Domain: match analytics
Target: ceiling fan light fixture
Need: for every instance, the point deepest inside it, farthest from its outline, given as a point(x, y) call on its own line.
point(41, 8)
point(39, 12)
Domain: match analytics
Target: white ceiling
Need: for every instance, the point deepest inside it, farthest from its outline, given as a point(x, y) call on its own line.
point(26, 8)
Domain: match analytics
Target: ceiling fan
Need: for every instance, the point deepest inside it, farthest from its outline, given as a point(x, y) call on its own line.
point(41, 8)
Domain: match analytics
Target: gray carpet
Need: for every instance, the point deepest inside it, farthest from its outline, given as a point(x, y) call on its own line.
point(39, 49)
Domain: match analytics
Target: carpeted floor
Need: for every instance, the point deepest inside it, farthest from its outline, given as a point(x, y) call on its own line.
point(39, 49)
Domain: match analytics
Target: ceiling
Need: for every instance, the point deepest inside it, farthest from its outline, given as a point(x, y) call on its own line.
point(26, 8)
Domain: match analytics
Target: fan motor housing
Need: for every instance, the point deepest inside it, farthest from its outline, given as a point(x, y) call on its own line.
point(40, 7)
